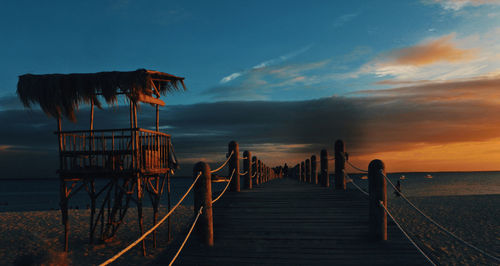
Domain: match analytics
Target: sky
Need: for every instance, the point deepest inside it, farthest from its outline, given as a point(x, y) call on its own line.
point(414, 83)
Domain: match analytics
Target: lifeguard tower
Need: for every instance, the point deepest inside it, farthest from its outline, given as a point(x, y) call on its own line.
point(115, 166)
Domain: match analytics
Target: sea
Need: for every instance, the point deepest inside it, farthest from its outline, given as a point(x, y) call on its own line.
point(43, 194)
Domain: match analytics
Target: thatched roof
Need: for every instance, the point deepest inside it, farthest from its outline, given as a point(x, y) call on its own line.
point(61, 94)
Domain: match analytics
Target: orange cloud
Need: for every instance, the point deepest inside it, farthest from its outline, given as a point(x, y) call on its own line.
point(431, 52)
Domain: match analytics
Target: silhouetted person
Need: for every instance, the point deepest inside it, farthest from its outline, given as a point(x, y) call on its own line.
point(397, 192)
point(285, 170)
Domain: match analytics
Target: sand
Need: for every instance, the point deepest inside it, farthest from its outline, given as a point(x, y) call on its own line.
point(475, 219)
point(36, 236)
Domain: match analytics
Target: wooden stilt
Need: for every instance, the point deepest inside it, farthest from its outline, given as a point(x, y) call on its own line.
point(92, 210)
point(169, 206)
point(139, 213)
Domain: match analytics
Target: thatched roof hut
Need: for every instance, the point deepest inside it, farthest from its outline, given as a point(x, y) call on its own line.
point(61, 94)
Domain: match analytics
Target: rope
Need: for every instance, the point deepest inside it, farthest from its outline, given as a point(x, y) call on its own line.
point(222, 193)
point(246, 172)
point(187, 237)
point(356, 185)
point(254, 175)
point(406, 234)
point(224, 164)
point(359, 169)
point(440, 226)
point(152, 228)
point(244, 158)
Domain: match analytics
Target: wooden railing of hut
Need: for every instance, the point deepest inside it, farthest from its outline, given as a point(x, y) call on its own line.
point(114, 151)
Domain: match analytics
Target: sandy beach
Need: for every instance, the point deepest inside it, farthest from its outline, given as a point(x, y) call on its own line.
point(36, 237)
point(474, 218)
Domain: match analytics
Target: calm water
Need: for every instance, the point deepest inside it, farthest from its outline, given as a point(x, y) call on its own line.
point(442, 183)
point(27, 195)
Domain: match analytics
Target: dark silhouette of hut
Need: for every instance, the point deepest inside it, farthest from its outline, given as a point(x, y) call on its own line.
point(128, 162)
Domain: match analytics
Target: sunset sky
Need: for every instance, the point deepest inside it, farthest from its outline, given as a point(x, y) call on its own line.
point(415, 83)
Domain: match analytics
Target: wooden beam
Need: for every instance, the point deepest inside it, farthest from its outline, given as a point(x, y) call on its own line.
point(148, 99)
point(92, 115)
point(157, 92)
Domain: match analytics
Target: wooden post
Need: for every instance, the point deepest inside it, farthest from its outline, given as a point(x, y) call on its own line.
point(308, 171)
point(264, 173)
point(268, 174)
point(234, 164)
point(259, 172)
point(203, 197)
point(91, 115)
point(378, 192)
point(254, 170)
point(340, 183)
point(247, 167)
point(325, 182)
point(298, 172)
point(302, 172)
point(157, 118)
point(314, 174)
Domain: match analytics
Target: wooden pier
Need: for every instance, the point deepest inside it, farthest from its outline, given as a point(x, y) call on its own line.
point(287, 222)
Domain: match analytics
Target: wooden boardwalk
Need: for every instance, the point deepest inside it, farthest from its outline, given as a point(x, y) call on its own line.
point(284, 222)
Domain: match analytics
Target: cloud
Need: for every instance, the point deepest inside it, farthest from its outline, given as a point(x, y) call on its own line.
point(230, 77)
point(259, 82)
point(264, 64)
point(441, 49)
point(444, 58)
point(456, 5)
point(340, 21)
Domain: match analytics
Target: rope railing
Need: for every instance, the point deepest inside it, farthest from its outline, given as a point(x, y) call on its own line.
point(187, 237)
point(254, 175)
point(224, 191)
point(244, 173)
point(406, 234)
point(224, 164)
point(439, 225)
point(357, 168)
point(123, 251)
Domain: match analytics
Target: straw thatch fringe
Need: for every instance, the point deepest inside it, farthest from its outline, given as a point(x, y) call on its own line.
point(61, 94)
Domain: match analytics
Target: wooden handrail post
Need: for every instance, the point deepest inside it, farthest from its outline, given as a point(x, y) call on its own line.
point(302, 171)
point(234, 165)
point(377, 188)
point(259, 171)
point(254, 170)
point(325, 180)
point(314, 174)
point(340, 183)
point(266, 173)
point(308, 171)
point(263, 172)
point(247, 167)
point(203, 197)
